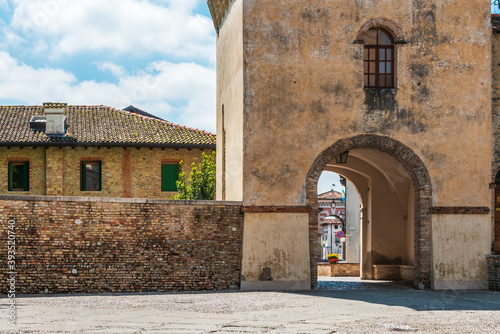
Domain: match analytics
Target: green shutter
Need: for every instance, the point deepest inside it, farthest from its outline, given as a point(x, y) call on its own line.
point(26, 176)
point(10, 178)
point(82, 171)
point(100, 176)
point(169, 177)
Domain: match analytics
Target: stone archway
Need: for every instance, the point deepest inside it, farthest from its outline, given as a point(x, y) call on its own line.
point(423, 198)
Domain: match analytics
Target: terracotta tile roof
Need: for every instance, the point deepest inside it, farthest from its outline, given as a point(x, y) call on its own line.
point(99, 126)
point(329, 195)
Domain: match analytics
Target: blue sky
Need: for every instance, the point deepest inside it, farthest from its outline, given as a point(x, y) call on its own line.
point(158, 55)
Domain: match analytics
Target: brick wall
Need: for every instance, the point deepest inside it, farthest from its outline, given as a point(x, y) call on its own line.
point(394, 272)
point(494, 272)
point(70, 245)
point(338, 269)
point(129, 173)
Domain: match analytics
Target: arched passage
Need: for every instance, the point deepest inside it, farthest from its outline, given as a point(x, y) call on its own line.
point(422, 197)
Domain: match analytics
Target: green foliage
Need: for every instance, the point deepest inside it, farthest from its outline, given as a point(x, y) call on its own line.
point(201, 182)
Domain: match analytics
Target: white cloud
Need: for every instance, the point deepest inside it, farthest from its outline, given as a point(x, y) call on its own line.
point(134, 27)
point(182, 93)
point(4, 4)
point(113, 68)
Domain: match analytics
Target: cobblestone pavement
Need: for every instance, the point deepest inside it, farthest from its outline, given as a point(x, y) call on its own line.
point(353, 307)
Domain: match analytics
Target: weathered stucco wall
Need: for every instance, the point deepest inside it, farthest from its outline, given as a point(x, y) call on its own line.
point(353, 226)
point(275, 254)
point(125, 173)
point(302, 70)
point(230, 98)
point(495, 66)
point(71, 244)
point(460, 243)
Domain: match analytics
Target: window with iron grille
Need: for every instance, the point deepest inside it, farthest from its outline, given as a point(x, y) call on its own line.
point(379, 59)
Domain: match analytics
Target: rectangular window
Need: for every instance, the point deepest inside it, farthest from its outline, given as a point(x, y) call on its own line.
point(91, 176)
point(378, 67)
point(19, 179)
point(169, 176)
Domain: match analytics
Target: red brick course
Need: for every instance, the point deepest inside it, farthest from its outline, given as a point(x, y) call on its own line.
point(385, 23)
point(459, 210)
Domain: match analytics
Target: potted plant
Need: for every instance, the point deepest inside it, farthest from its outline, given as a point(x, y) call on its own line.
point(333, 258)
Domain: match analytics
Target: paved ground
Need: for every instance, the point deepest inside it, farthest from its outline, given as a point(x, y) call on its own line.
point(354, 307)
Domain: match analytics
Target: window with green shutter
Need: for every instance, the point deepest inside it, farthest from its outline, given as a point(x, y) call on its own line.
point(91, 179)
point(19, 176)
point(169, 177)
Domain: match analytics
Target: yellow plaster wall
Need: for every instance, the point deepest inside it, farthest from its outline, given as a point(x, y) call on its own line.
point(230, 94)
point(276, 241)
point(304, 92)
point(460, 244)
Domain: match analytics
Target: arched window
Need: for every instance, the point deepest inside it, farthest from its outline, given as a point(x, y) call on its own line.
point(379, 59)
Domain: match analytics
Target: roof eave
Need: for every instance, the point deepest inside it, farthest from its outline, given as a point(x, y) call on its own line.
point(137, 145)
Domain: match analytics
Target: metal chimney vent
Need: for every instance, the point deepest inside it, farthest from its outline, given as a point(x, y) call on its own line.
point(38, 123)
point(56, 121)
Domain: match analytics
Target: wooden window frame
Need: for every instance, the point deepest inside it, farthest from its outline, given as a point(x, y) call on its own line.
point(367, 61)
point(163, 182)
point(26, 175)
point(83, 175)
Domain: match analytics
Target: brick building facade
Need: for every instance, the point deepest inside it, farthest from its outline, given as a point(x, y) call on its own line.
point(131, 152)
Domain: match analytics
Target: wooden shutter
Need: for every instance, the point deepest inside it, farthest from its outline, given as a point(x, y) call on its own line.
point(10, 177)
point(100, 176)
point(83, 176)
point(26, 176)
point(169, 177)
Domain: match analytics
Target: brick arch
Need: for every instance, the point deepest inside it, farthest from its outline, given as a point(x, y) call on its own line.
point(494, 174)
point(380, 22)
point(423, 197)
